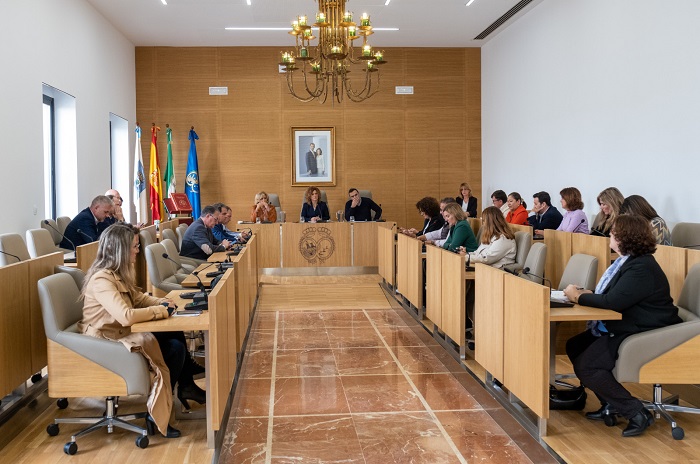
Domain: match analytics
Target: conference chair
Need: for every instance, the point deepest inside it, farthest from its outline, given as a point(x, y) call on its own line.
point(665, 356)
point(523, 241)
point(686, 235)
point(184, 265)
point(55, 236)
point(535, 261)
point(80, 365)
point(12, 244)
point(161, 270)
point(581, 270)
point(171, 235)
point(76, 273)
point(365, 193)
point(275, 201)
point(323, 198)
point(62, 222)
point(40, 243)
point(180, 231)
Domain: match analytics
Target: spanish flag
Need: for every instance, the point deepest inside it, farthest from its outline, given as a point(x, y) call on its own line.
point(156, 190)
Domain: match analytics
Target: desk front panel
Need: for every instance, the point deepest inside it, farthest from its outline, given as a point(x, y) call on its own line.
point(558, 254)
point(364, 243)
point(409, 269)
point(38, 269)
point(433, 284)
point(386, 250)
point(268, 236)
point(15, 330)
point(316, 245)
point(453, 296)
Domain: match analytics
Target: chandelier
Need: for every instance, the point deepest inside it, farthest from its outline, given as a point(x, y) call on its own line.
point(325, 68)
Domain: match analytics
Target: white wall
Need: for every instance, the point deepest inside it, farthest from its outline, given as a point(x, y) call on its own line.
point(592, 94)
point(70, 46)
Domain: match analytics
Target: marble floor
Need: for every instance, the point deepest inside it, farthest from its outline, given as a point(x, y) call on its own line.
point(362, 386)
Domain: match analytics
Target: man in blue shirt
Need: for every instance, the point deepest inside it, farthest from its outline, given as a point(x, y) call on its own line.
point(221, 232)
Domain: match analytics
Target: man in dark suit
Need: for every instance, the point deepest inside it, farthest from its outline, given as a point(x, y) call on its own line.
point(84, 228)
point(361, 208)
point(311, 166)
point(546, 216)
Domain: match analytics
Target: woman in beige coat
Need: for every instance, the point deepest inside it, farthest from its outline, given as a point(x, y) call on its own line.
point(112, 303)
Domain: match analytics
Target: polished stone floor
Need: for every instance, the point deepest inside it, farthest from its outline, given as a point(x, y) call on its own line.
point(362, 386)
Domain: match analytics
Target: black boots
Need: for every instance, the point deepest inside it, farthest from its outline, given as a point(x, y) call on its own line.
point(638, 423)
point(191, 392)
point(172, 432)
point(599, 415)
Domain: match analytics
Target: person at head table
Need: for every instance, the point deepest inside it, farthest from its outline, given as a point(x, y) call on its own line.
point(199, 241)
point(85, 227)
point(461, 233)
point(262, 210)
point(314, 209)
point(361, 208)
point(113, 303)
point(546, 216)
point(635, 286)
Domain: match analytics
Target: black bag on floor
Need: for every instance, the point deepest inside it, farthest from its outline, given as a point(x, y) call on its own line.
point(571, 399)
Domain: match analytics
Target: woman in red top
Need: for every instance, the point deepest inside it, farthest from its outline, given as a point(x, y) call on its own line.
point(517, 213)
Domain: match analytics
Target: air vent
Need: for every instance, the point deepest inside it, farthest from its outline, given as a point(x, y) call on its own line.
point(500, 21)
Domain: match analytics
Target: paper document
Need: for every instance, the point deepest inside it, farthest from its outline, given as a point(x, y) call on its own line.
point(558, 296)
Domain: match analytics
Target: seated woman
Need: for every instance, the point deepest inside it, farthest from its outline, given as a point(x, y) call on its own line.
point(575, 219)
point(313, 209)
point(429, 208)
point(112, 303)
point(636, 286)
point(497, 246)
point(466, 200)
point(610, 200)
point(461, 234)
point(262, 209)
point(635, 204)
point(517, 210)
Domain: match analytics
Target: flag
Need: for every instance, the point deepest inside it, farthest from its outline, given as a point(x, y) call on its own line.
point(169, 177)
point(140, 201)
point(156, 190)
point(192, 180)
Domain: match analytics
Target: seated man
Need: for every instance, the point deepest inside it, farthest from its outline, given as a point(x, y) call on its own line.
point(439, 237)
point(221, 232)
point(86, 226)
point(500, 200)
point(545, 217)
point(199, 241)
point(361, 208)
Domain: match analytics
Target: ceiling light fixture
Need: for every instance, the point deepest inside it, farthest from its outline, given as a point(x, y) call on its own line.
point(248, 2)
point(324, 68)
point(164, 2)
point(387, 2)
point(470, 2)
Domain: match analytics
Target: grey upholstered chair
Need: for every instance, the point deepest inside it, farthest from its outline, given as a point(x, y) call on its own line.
point(523, 241)
point(275, 201)
point(184, 265)
point(12, 244)
point(172, 235)
point(674, 348)
point(161, 270)
point(180, 231)
point(62, 222)
point(581, 270)
point(535, 262)
point(323, 198)
point(52, 227)
point(40, 243)
point(365, 193)
point(76, 361)
point(76, 273)
point(145, 239)
point(686, 234)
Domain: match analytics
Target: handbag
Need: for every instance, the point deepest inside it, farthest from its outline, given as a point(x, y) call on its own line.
point(570, 399)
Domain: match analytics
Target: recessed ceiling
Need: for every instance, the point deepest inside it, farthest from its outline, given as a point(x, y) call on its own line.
point(200, 23)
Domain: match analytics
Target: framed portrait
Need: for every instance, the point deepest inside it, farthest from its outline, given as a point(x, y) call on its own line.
point(313, 156)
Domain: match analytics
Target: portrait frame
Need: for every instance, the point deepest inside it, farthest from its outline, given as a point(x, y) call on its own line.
point(319, 170)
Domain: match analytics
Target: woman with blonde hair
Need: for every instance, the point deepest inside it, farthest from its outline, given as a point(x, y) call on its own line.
point(262, 209)
point(314, 209)
point(610, 201)
point(497, 246)
point(461, 234)
point(466, 200)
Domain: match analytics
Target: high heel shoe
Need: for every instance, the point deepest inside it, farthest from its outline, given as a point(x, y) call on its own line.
point(172, 432)
point(191, 392)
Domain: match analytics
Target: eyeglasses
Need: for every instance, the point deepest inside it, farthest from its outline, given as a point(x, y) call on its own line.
point(137, 246)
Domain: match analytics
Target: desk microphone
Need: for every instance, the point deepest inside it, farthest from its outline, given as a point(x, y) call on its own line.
point(526, 271)
point(511, 271)
point(597, 232)
point(10, 254)
point(46, 221)
point(165, 255)
point(90, 239)
point(690, 246)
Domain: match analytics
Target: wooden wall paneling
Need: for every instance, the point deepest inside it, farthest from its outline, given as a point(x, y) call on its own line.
point(526, 353)
point(188, 62)
point(435, 123)
point(38, 269)
point(15, 327)
point(440, 92)
point(234, 62)
point(475, 224)
point(594, 246)
point(425, 62)
point(453, 296)
point(488, 319)
point(419, 184)
point(672, 261)
point(364, 239)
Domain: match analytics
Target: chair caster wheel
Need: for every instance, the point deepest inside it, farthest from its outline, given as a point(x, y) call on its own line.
point(142, 442)
point(677, 433)
point(62, 403)
point(36, 377)
point(52, 429)
point(70, 448)
point(610, 420)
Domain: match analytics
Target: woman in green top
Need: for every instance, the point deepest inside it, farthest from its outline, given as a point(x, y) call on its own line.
point(461, 234)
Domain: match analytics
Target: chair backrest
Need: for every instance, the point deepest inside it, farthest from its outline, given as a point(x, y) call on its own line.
point(523, 241)
point(180, 231)
point(55, 236)
point(14, 245)
point(61, 306)
point(535, 260)
point(323, 198)
point(160, 270)
point(40, 243)
point(62, 222)
point(689, 300)
point(76, 273)
point(172, 252)
point(686, 234)
point(365, 193)
point(145, 239)
point(170, 235)
point(581, 270)
point(275, 201)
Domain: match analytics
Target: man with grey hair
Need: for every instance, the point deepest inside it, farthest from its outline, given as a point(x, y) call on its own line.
point(84, 228)
point(199, 241)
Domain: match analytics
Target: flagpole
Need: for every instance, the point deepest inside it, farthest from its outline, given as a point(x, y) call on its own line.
point(140, 203)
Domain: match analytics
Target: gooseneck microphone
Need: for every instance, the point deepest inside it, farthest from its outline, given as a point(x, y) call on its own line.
point(526, 271)
point(597, 232)
point(690, 246)
point(46, 221)
point(511, 271)
point(89, 239)
point(166, 256)
point(10, 254)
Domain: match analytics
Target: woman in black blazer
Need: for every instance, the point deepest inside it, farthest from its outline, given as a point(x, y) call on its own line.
point(636, 286)
point(314, 209)
point(429, 208)
point(466, 200)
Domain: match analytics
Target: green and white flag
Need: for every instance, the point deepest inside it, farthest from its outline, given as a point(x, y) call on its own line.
point(169, 177)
